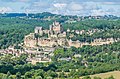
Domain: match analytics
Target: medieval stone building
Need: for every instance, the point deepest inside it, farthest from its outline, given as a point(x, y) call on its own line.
point(39, 30)
point(56, 27)
point(55, 32)
point(30, 40)
point(57, 37)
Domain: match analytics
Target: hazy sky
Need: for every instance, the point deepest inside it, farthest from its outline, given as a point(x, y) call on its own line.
point(65, 7)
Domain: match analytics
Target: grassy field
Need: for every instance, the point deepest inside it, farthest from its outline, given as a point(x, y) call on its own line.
point(115, 74)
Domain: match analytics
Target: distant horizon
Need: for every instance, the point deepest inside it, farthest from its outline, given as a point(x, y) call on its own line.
point(55, 14)
point(63, 7)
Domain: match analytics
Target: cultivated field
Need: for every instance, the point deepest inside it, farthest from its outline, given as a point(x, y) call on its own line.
point(115, 74)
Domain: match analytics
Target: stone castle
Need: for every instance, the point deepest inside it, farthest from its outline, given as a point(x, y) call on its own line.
point(55, 37)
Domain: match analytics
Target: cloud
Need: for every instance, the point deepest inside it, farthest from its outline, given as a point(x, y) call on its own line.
point(15, 0)
point(75, 7)
point(5, 9)
point(60, 5)
point(103, 0)
point(65, 7)
point(99, 12)
point(72, 8)
point(22, 0)
point(39, 5)
point(110, 3)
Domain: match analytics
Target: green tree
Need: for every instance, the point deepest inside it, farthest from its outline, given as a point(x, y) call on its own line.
point(38, 77)
point(18, 75)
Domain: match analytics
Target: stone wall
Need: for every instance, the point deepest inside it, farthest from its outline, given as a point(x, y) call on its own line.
point(30, 40)
point(46, 42)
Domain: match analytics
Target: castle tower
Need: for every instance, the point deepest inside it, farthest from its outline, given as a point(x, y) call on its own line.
point(56, 27)
point(39, 30)
point(50, 27)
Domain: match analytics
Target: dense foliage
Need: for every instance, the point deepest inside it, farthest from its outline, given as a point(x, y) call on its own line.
point(90, 60)
point(99, 59)
point(13, 29)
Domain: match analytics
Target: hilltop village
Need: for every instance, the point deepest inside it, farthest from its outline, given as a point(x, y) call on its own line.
point(41, 44)
point(57, 37)
point(44, 42)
